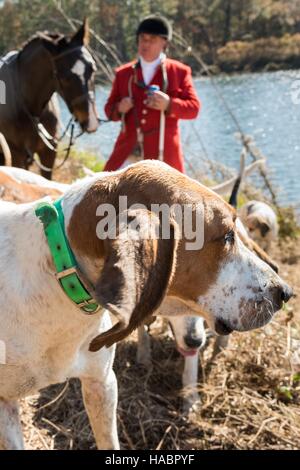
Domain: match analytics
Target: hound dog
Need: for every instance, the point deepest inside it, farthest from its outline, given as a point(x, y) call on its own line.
point(261, 222)
point(18, 185)
point(189, 332)
point(46, 336)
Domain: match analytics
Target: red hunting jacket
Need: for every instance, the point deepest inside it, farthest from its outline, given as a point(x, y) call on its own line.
point(184, 105)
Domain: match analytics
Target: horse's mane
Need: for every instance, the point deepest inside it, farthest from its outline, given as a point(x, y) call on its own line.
point(38, 36)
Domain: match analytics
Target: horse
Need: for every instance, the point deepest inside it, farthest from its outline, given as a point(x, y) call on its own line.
point(48, 63)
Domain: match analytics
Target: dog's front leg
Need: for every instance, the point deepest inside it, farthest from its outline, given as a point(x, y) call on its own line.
point(189, 382)
point(100, 400)
point(220, 344)
point(144, 347)
point(11, 437)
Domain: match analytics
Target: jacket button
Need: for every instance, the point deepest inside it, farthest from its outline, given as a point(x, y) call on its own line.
point(144, 111)
point(143, 121)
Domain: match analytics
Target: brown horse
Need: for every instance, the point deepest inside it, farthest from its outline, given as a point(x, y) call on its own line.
point(48, 63)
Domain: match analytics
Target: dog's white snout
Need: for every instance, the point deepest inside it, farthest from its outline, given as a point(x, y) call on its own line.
point(189, 333)
point(262, 308)
point(252, 293)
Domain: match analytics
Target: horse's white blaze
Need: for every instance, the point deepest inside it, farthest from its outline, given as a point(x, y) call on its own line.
point(80, 65)
point(79, 69)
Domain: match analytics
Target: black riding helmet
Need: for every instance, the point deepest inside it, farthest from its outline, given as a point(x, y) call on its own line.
point(157, 25)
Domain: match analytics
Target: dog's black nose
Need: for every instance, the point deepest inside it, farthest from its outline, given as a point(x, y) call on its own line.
point(193, 342)
point(281, 293)
point(222, 328)
point(286, 293)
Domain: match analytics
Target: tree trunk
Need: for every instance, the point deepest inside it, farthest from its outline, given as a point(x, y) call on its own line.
point(227, 23)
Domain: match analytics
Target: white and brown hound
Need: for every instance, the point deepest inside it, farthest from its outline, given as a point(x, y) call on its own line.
point(48, 339)
point(18, 185)
point(189, 332)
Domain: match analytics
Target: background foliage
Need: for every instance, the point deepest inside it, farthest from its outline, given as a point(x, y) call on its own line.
point(207, 25)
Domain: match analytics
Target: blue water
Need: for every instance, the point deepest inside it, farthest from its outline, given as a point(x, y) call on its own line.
point(263, 105)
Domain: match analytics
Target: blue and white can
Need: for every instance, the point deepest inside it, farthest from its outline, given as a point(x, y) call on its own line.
point(151, 89)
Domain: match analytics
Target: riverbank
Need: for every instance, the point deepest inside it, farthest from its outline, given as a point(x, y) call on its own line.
point(265, 54)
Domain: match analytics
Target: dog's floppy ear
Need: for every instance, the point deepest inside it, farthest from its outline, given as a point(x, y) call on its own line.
point(138, 269)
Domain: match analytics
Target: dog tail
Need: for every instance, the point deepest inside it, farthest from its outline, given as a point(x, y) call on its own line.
point(236, 186)
point(224, 188)
point(6, 150)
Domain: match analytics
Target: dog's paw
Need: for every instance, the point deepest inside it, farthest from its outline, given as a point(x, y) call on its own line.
point(143, 355)
point(192, 403)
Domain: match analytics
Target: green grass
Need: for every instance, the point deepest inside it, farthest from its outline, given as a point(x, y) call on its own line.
point(88, 159)
point(73, 168)
point(287, 221)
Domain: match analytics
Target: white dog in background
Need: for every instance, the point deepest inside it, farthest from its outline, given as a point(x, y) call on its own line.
point(261, 222)
point(190, 337)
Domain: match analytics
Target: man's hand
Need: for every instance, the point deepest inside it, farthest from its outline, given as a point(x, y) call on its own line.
point(159, 101)
point(125, 105)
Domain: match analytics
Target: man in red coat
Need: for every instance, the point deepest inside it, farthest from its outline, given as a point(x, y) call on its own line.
point(150, 95)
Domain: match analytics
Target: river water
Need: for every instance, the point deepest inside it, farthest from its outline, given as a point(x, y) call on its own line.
point(267, 106)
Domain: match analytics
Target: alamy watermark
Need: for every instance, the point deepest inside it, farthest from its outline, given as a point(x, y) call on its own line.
point(140, 222)
point(295, 91)
point(2, 92)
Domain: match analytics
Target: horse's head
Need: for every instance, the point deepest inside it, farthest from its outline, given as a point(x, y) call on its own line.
point(74, 69)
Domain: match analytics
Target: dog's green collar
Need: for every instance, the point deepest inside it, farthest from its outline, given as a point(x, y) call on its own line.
point(52, 218)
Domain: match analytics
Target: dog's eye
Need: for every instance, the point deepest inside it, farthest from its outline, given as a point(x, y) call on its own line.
point(229, 237)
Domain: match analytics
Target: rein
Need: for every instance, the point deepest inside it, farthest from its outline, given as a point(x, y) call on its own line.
point(141, 84)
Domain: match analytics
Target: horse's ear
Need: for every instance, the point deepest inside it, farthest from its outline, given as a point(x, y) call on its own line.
point(82, 35)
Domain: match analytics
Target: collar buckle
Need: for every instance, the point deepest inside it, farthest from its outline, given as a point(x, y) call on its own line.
point(65, 272)
point(89, 306)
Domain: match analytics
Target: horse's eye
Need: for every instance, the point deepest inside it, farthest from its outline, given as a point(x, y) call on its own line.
point(66, 77)
point(66, 80)
point(229, 237)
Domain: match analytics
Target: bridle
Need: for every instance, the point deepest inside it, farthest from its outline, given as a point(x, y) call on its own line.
point(89, 95)
point(50, 141)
